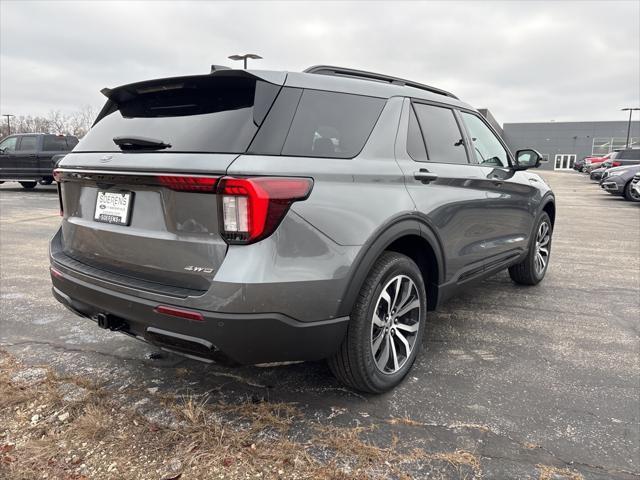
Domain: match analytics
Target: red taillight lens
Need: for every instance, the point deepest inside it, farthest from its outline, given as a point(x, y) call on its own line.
point(252, 208)
point(179, 312)
point(183, 183)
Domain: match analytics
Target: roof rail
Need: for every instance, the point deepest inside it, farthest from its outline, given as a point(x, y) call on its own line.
point(376, 77)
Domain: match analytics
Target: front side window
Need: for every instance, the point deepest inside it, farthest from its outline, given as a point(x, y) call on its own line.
point(330, 124)
point(489, 151)
point(9, 144)
point(28, 143)
point(442, 136)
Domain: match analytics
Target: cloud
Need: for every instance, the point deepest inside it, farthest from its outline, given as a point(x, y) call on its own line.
point(525, 61)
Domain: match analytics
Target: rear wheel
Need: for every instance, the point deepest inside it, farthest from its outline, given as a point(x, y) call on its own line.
point(28, 185)
point(630, 194)
point(386, 327)
point(533, 268)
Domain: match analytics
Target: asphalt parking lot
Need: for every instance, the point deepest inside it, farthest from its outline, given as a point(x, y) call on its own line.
point(520, 376)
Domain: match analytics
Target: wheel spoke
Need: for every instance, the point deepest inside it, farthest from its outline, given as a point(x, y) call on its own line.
point(377, 321)
point(406, 295)
point(398, 285)
point(394, 355)
point(378, 341)
point(544, 251)
point(384, 356)
point(407, 308)
point(385, 296)
point(408, 328)
point(544, 241)
point(404, 341)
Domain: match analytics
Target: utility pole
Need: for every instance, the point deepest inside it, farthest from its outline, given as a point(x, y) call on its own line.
point(244, 57)
point(8, 121)
point(631, 110)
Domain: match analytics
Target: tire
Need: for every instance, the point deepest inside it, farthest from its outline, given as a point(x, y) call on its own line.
point(629, 194)
point(528, 272)
point(28, 185)
point(359, 362)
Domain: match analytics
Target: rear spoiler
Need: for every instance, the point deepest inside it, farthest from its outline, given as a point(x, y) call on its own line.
point(123, 93)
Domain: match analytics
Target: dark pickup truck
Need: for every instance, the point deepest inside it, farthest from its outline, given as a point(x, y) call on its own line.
point(29, 158)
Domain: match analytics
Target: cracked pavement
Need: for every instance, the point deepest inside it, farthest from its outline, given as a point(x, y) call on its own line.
point(519, 376)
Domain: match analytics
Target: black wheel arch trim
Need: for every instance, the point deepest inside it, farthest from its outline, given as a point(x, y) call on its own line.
point(379, 241)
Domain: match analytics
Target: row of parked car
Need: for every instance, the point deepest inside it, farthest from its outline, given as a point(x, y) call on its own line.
point(617, 172)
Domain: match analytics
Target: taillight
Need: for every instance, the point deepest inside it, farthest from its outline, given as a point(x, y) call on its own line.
point(184, 183)
point(57, 176)
point(252, 208)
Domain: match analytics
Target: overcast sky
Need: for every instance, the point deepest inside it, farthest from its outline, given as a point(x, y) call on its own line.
point(529, 61)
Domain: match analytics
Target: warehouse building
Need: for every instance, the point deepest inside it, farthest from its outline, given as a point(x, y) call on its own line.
point(562, 143)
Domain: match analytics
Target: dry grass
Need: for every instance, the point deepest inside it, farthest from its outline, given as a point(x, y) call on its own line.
point(103, 437)
point(548, 472)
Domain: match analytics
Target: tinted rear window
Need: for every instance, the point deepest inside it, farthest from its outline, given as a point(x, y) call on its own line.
point(631, 154)
point(329, 124)
point(55, 144)
point(441, 134)
point(198, 114)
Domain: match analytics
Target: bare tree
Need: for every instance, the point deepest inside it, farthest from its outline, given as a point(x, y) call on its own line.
point(75, 123)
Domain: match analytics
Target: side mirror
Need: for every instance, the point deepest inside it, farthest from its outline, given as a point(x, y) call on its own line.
point(527, 158)
point(2, 151)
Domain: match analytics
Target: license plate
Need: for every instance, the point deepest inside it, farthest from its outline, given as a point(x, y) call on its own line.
point(113, 207)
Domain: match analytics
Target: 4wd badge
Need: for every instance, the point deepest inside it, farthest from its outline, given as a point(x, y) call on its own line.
point(191, 268)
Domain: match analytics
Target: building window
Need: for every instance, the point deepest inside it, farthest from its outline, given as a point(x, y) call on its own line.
point(604, 145)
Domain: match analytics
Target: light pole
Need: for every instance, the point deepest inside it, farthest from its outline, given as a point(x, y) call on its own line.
point(629, 125)
point(244, 57)
point(8, 121)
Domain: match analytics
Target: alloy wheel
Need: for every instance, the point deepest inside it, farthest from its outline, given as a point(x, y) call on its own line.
point(543, 238)
point(395, 324)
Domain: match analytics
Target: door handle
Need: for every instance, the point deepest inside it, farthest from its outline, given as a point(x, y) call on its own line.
point(425, 176)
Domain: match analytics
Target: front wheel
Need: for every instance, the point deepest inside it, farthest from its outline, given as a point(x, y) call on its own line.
point(28, 185)
point(386, 327)
point(630, 194)
point(533, 268)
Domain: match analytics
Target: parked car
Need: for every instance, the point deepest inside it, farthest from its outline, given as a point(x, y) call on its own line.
point(597, 173)
point(272, 216)
point(618, 181)
point(607, 161)
point(581, 164)
point(28, 158)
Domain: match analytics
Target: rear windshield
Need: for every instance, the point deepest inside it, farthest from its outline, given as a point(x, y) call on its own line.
point(191, 114)
point(54, 143)
point(223, 115)
point(631, 154)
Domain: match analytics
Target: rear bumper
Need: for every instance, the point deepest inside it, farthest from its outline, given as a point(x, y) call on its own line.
point(243, 338)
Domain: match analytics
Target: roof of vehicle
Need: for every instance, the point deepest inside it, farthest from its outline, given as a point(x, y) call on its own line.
point(368, 84)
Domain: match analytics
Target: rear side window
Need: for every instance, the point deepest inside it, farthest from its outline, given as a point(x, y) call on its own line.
point(442, 136)
point(55, 144)
point(192, 114)
point(329, 124)
point(28, 143)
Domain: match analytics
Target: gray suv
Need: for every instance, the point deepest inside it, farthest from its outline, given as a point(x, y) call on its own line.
point(259, 216)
